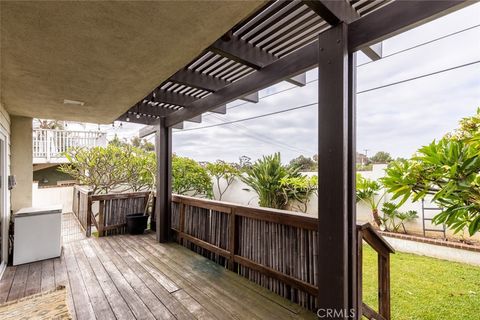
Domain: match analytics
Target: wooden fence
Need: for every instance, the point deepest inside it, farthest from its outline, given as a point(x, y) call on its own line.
point(80, 205)
point(107, 212)
point(273, 248)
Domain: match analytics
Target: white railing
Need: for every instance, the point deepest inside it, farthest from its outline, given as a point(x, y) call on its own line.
point(48, 144)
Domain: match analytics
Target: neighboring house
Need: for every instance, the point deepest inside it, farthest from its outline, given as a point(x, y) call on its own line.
point(361, 159)
point(49, 147)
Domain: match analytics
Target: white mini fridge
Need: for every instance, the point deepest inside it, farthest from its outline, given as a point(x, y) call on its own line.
point(37, 235)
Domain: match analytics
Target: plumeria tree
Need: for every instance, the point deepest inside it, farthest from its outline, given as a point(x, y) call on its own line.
point(449, 171)
point(190, 178)
point(222, 171)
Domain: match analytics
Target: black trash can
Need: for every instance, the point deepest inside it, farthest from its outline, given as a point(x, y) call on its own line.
point(136, 223)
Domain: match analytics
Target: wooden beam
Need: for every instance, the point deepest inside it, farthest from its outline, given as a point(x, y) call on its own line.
point(178, 126)
point(285, 68)
point(170, 97)
point(146, 131)
point(253, 97)
point(299, 80)
point(333, 11)
point(163, 148)
point(221, 110)
point(198, 80)
point(242, 52)
point(396, 18)
point(126, 117)
point(363, 32)
point(196, 119)
point(333, 171)
point(374, 52)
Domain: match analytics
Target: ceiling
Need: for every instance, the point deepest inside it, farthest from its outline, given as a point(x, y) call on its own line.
point(105, 54)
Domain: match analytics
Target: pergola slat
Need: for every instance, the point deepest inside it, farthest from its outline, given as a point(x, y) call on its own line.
point(242, 52)
point(169, 97)
point(298, 61)
point(199, 80)
point(396, 18)
point(333, 11)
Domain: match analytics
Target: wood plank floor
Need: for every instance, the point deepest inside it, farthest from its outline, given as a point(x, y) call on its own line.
point(134, 277)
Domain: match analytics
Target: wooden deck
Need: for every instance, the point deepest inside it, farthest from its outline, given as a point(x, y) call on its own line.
point(134, 277)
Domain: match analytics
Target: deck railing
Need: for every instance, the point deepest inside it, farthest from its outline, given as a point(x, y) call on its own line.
point(273, 248)
point(276, 249)
point(80, 205)
point(107, 212)
point(49, 143)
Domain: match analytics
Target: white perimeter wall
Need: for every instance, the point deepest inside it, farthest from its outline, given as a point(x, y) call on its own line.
point(241, 193)
point(42, 197)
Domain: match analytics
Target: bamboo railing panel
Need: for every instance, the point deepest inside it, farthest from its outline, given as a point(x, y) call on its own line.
point(113, 208)
point(107, 212)
point(273, 248)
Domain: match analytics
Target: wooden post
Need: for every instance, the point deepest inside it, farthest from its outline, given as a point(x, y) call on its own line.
point(384, 285)
point(101, 218)
point(181, 223)
point(89, 215)
point(359, 272)
point(163, 140)
point(355, 301)
point(232, 239)
point(335, 136)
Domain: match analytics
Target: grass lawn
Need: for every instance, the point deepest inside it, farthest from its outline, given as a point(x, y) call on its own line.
point(425, 288)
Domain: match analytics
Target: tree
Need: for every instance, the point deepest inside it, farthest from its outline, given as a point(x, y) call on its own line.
point(140, 168)
point(51, 124)
point(134, 141)
point(244, 162)
point(298, 191)
point(449, 171)
point(103, 169)
point(142, 144)
point(190, 178)
point(221, 170)
point(368, 192)
point(265, 177)
point(304, 163)
point(381, 157)
point(116, 141)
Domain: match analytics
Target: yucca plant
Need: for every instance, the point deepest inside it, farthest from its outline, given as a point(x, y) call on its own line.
point(265, 177)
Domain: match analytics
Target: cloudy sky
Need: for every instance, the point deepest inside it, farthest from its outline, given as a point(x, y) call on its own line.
point(397, 119)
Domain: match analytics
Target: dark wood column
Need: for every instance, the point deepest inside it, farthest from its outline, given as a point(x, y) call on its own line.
point(163, 142)
point(336, 217)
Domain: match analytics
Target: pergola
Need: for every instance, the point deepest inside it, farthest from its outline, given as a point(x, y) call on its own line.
point(281, 41)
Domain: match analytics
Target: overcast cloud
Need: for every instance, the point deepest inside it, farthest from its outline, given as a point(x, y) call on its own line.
point(397, 119)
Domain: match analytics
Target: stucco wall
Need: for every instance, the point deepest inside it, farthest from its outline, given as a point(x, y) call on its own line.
point(21, 161)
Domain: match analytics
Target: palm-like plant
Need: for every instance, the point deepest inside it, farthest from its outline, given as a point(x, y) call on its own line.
point(265, 177)
point(367, 191)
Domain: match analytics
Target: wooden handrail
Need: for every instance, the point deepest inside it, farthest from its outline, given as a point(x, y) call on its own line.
point(367, 233)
